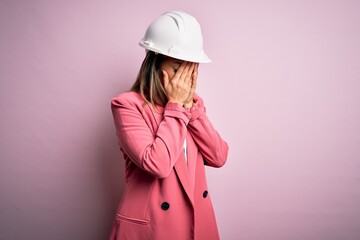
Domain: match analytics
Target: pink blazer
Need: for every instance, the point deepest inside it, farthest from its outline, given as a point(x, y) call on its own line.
point(165, 197)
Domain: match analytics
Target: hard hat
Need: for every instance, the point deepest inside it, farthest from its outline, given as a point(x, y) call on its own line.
point(176, 34)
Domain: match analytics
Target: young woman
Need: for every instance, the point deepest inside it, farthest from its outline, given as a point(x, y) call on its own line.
point(167, 139)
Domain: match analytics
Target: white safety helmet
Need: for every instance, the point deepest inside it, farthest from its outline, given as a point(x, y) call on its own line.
point(176, 34)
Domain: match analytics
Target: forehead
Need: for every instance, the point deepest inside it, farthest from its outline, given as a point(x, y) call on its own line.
point(170, 60)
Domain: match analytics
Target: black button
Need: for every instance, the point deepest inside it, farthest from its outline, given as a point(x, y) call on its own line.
point(205, 193)
point(165, 206)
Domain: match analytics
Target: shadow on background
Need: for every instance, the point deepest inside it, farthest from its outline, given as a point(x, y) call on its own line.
point(112, 169)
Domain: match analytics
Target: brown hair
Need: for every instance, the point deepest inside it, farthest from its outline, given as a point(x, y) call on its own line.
point(148, 83)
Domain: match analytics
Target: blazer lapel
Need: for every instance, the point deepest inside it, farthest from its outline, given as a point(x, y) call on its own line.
point(181, 168)
point(182, 172)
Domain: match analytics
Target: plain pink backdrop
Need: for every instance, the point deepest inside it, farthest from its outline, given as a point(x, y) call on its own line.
point(283, 90)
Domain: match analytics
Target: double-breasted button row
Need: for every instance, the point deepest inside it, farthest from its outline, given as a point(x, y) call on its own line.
point(165, 205)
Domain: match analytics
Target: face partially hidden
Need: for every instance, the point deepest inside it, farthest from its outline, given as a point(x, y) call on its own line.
point(169, 65)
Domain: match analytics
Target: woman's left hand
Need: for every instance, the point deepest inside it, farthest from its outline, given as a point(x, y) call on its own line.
point(189, 102)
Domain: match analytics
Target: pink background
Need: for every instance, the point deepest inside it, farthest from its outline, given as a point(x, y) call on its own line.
point(283, 90)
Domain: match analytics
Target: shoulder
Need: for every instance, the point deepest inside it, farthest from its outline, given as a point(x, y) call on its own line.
point(127, 98)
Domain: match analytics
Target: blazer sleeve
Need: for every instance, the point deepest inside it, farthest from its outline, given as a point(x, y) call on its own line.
point(212, 147)
point(154, 154)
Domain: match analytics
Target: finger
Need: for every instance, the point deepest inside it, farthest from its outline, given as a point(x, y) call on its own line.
point(194, 78)
point(180, 70)
point(185, 71)
point(166, 78)
point(196, 71)
point(192, 90)
point(194, 81)
point(190, 73)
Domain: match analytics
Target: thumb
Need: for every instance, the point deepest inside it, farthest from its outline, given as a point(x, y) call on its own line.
point(166, 78)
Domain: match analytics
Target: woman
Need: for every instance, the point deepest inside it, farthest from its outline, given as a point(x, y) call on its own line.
point(167, 138)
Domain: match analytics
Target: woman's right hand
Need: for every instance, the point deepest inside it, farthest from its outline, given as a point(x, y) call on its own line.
point(179, 87)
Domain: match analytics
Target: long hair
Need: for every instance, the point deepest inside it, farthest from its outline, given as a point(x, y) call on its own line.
point(148, 83)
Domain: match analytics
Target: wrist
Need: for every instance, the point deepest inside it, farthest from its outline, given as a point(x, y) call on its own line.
point(180, 103)
point(188, 105)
